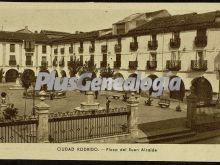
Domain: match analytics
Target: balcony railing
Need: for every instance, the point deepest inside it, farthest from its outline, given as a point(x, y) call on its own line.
point(91, 49)
point(117, 47)
point(80, 49)
point(133, 65)
point(44, 63)
point(104, 48)
point(12, 63)
point(199, 65)
point(151, 65)
point(153, 45)
point(200, 41)
point(103, 64)
point(117, 64)
point(133, 46)
point(29, 63)
point(175, 43)
point(173, 65)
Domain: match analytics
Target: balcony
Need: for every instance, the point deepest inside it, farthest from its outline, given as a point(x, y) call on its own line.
point(117, 64)
point(103, 64)
point(12, 63)
point(151, 65)
point(44, 63)
point(133, 65)
point(117, 47)
point(153, 45)
point(199, 65)
point(200, 41)
point(91, 49)
point(29, 63)
point(133, 46)
point(173, 65)
point(175, 43)
point(104, 48)
point(80, 49)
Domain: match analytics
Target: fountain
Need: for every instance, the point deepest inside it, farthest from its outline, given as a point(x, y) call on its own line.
point(90, 104)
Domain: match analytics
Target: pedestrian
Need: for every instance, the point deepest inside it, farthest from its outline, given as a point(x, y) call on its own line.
point(107, 104)
point(96, 94)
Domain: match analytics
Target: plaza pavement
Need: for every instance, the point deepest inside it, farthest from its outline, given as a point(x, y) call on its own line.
point(74, 98)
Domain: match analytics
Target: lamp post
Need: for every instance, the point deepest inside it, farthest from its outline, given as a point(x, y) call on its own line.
point(218, 100)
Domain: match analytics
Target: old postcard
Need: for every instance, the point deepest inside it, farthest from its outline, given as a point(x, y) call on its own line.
point(105, 81)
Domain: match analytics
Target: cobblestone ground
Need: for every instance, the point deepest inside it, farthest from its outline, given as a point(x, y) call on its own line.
point(73, 99)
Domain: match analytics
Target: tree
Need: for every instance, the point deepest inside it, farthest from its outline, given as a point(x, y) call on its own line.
point(74, 66)
point(107, 72)
point(10, 112)
point(88, 67)
point(1, 74)
point(26, 81)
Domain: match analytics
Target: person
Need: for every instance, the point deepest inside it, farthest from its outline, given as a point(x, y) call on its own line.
point(96, 94)
point(107, 104)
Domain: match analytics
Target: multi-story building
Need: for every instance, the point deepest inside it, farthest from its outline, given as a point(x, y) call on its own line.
point(187, 45)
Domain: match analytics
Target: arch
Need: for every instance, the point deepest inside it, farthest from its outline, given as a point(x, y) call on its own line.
point(203, 90)
point(117, 75)
point(133, 75)
point(180, 94)
point(153, 77)
point(30, 73)
point(11, 75)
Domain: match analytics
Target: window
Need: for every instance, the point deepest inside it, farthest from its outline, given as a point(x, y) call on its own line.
point(12, 60)
point(104, 57)
point(154, 37)
point(70, 49)
point(12, 48)
point(200, 55)
point(44, 49)
point(153, 56)
point(119, 41)
point(92, 58)
point(55, 51)
point(62, 50)
point(174, 55)
point(176, 35)
point(44, 59)
point(118, 57)
point(135, 39)
point(201, 32)
point(81, 59)
point(28, 58)
point(81, 44)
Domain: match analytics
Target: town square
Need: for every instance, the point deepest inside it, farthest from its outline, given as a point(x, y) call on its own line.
point(150, 76)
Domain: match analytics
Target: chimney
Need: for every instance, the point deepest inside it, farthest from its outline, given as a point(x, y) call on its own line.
point(26, 28)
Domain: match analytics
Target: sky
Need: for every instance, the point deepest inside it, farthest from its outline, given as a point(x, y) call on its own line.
point(71, 17)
